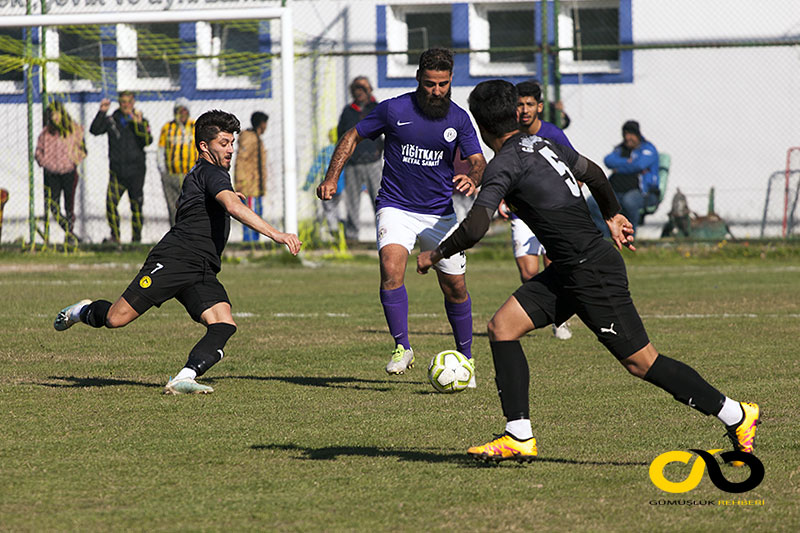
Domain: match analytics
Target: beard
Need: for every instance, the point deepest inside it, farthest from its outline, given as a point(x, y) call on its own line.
point(433, 106)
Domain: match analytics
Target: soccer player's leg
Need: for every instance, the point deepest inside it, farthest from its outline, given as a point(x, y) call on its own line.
point(207, 303)
point(610, 313)
point(512, 376)
point(396, 237)
point(450, 273)
point(102, 313)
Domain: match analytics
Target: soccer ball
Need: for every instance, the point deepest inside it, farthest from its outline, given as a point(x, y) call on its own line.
point(450, 371)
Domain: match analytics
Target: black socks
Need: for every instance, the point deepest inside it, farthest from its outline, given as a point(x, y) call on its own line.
point(685, 385)
point(208, 350)
point(95, 313)
point(512, 378)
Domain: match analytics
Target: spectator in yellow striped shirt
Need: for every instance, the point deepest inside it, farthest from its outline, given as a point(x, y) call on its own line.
point(177, 154)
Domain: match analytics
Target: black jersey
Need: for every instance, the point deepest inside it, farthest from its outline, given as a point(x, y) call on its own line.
point(536, 177)
point(201, 223)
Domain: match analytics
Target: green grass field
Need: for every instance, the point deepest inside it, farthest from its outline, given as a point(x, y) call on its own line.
point(306, 432)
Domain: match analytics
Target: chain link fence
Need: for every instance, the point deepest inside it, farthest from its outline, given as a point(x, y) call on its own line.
point(711, 88)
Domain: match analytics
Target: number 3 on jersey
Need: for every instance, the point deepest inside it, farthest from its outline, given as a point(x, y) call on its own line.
point(562, 169)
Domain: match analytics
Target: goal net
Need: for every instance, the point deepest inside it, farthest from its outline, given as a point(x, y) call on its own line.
point(58, 69)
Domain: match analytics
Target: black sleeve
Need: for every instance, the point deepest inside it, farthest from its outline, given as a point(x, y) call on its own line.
point(100, 124)
point(469, 232)
point(593, 176)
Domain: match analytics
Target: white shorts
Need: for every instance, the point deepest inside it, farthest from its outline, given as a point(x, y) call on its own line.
point(523, 239)
point(405, 228)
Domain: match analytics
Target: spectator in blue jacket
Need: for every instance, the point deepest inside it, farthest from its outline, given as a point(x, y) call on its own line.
point(634, 176)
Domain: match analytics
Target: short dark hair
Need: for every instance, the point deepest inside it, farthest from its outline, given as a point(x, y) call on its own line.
point(530, 88)
point(493, 103)
point(436, 59)
point(125, 93)
point(258, 118)
point(210, 123)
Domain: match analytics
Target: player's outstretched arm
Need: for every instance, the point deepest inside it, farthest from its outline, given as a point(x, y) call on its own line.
point(469, 232)
point(345, 148)
point(232, 202)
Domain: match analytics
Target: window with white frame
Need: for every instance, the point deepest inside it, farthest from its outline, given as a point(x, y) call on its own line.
point(230, 55)
point(75, 59)
point(588, 23)
point(500, 28)
point(148, 56)
point(11, 49)
point(415, 27)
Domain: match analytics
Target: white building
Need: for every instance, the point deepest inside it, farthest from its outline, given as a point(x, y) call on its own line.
point(726, 115)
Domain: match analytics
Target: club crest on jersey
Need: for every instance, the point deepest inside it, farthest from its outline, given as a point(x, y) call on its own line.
point(145, 282)
point(450, 134)
point(528, 141)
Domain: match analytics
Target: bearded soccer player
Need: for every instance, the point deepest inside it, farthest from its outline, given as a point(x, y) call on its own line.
point(587, 277)
point(185, 263)
point(422, 130)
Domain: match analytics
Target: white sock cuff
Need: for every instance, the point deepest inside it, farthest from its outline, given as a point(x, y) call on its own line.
point(520, 429)
point(731, 412)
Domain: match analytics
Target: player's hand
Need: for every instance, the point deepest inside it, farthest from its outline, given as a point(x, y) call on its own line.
point(242, 197)
point(621, 231)
point(464, 184)
point(503, 209)
point(326, 189)
point(290, 240)
point(424, 262)
point(105, 103)
point(137, 115)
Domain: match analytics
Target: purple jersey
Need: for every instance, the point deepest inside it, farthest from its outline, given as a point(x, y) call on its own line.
point(418, 153)
point(554, 133)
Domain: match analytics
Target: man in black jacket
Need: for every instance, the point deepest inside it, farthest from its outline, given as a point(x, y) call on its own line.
point(365, 166)
point(128, 133)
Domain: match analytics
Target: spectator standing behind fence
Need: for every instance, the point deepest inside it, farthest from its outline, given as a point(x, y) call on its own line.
point(250, 174)
point(365, 167)
point(331, 211)
point(177, 154)
point(128, 134)
point(59, 150)
point(634, 178)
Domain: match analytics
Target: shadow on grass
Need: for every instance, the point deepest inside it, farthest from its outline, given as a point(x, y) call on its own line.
point(73, 381)
point(336, 382)
point(330, 453)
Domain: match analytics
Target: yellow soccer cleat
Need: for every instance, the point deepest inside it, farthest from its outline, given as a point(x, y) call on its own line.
point(743, 436)
point(505, 448)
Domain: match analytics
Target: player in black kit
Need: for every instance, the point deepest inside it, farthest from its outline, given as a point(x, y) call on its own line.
point(539, 181)
point(185, 263)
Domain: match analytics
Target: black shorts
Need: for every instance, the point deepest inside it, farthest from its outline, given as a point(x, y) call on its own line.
point(181, 275)
point(596, 291)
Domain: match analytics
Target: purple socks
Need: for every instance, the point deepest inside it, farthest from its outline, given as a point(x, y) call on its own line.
point(460, 317)
point(395, 308)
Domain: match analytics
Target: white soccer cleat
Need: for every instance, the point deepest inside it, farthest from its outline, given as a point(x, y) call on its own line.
point(401, 360)
point(562, 332)
point(69, 315)
point(186, 386)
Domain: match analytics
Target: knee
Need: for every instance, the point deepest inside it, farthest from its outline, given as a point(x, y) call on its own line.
point(456, 292)
point(497, 332)
point(116, 321)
